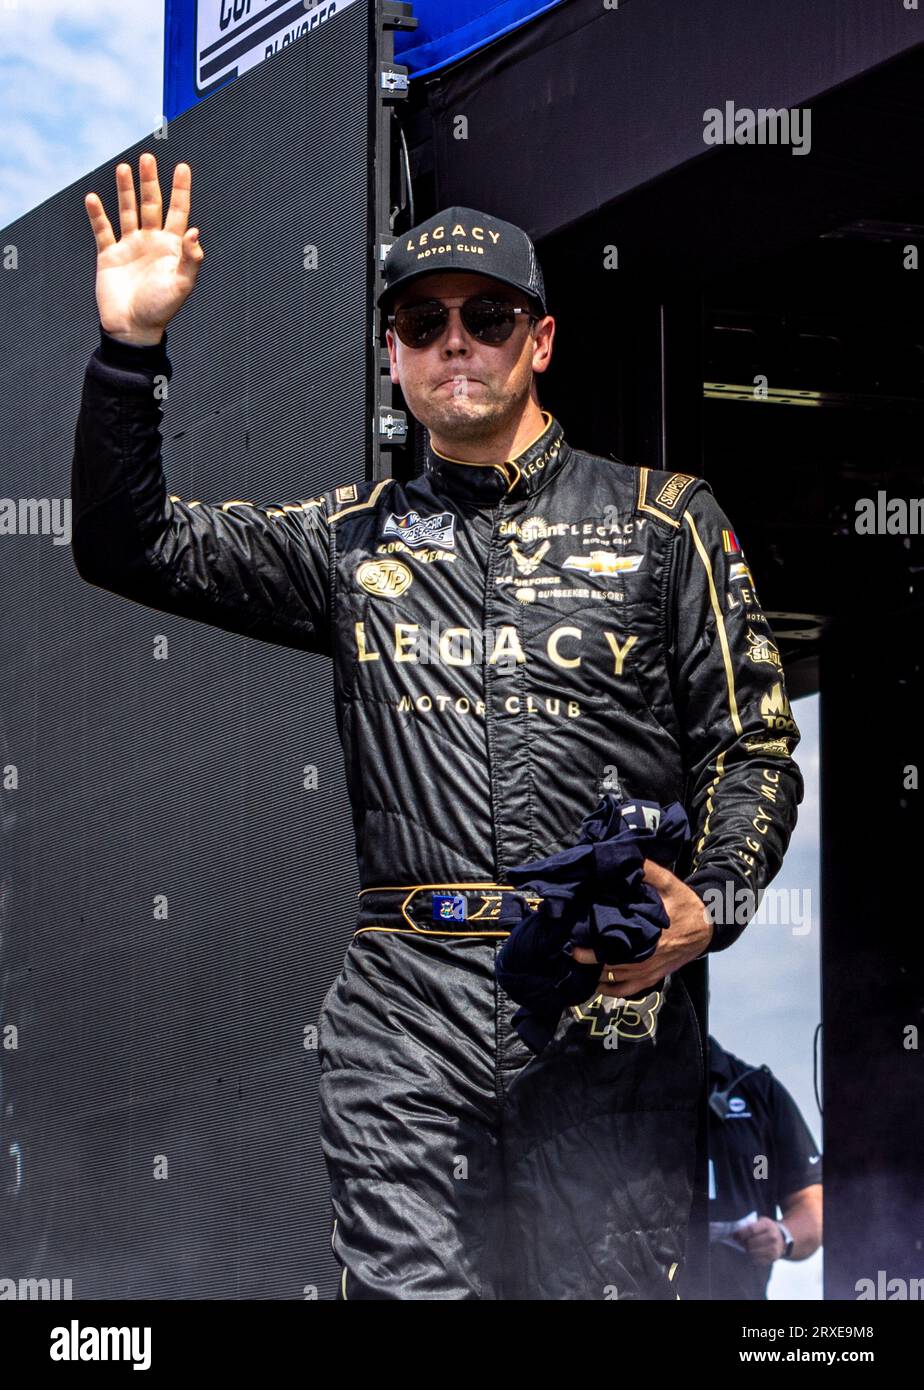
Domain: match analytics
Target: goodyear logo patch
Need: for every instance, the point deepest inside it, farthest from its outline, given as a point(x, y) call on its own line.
point(384, 578)
point(673, 490)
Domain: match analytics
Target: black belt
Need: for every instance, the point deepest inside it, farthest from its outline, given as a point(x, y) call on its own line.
point(439, 909)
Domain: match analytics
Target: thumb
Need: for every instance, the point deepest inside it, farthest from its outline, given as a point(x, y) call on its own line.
point(191, 253)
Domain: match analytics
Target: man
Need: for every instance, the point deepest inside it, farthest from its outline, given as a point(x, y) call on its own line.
point(762, 1159)
point(510, 632)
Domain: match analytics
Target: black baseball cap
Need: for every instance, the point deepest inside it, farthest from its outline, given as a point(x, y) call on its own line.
point(464, 239)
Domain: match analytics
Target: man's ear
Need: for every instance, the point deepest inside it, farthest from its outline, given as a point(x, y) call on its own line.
point(392, 357)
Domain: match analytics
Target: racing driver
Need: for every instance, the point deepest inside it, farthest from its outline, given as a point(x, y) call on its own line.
point(512, 632)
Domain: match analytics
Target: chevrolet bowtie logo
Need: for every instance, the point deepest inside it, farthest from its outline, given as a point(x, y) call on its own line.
point(603, 562)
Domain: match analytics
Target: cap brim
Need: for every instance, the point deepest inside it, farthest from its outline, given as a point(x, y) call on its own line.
point(386, 297)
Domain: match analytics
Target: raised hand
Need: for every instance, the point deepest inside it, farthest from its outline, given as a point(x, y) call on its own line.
point(144, 279)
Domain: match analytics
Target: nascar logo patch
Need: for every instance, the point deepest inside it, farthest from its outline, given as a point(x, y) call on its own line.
point(416, 530)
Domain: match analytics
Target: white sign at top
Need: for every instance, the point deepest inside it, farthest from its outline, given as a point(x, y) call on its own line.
point(234, 35)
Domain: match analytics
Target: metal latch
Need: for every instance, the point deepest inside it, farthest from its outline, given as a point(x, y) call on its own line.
point(395, 80)
point(392, 425)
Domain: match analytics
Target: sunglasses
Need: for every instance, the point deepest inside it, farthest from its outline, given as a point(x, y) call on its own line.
point(491, 321)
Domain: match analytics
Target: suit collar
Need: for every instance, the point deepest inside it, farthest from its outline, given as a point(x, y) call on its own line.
point(522, 475)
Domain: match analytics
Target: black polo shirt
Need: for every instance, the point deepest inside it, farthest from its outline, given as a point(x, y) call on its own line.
point(760, 1118)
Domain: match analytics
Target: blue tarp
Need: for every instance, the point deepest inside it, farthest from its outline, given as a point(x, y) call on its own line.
point(209, 42)
point(446, 32)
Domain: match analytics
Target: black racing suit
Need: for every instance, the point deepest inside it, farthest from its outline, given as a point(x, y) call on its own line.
point(506, 640)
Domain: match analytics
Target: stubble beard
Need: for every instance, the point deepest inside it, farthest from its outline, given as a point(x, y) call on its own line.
point(464, 417)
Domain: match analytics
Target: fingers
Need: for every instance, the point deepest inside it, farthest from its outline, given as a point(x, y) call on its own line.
point(761, 1252)
point(102, 227)
point(152, 211)
point(178, 212)
point(152, 208)
point(625, 989)
point(128, 208)
point(620, 980)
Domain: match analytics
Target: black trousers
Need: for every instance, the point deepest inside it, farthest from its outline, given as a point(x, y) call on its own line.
point(462, 1165)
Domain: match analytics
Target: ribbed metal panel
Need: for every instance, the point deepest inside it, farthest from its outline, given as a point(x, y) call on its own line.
point(137, 777)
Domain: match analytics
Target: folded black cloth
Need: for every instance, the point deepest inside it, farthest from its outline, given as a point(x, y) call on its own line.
point(593, 895)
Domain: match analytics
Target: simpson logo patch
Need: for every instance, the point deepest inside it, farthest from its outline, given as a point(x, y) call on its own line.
point(414, 529)
point(674, 489)
point(347, 493)
point(762, 650)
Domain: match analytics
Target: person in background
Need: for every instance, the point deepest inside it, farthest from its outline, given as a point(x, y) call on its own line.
point(765, 1184)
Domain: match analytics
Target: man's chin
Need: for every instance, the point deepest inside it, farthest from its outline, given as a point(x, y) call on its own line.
point(461, 417)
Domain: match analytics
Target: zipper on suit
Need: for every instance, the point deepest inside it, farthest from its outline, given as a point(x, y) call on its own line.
point(486, 609)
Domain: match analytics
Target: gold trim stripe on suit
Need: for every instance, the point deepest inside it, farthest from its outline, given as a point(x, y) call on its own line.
point(720, 625)
point(361, 506)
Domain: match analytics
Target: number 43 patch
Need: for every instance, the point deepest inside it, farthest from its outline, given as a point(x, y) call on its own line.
point(633, 1019)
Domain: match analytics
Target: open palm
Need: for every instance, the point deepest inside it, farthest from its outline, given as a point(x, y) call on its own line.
point(143, 279)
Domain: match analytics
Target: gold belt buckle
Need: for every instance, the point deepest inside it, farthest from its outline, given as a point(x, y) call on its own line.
point(484, 898)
